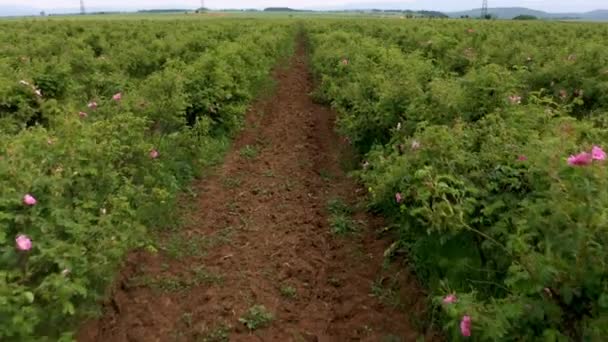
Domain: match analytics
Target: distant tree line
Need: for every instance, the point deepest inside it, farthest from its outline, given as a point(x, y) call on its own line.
point(173, 10)
point(525, 17)
point(410, 13)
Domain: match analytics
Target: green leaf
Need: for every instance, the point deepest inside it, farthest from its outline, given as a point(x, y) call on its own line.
point(29, 296)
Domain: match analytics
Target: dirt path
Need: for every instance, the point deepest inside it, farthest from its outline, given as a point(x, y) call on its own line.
point(259, 235)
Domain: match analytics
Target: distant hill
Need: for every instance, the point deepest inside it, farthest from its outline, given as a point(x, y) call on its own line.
point(499, 12)
point(512, 12)
point(597, 15)
point(13, 11)
point(9, 10)
point(390, 11)
point(17, 10)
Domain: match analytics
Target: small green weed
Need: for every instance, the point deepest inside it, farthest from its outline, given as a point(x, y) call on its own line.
point(249, 152)
point(262, 141)
point(289, 185)
point(218, 334)
point(335, 282)
point(222, 237)
point(337, 206)
point(233, 207)
point(387, 294)
point(325, 175)
point(179, 246)
point(257, 317)
point(178, 283)
point(203, 276)
point(288, 291)
point(259, 190)
point(342, 224)
point(340, 220)
point(187, 319)
point(231, 182)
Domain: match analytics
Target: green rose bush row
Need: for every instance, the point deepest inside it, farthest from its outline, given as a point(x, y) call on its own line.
point(102, 124)
point(493, 178)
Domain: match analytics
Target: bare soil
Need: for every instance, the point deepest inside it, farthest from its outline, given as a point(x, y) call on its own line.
point(258, 233)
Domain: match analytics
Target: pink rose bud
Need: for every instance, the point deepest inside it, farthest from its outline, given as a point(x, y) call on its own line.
point(154, 154)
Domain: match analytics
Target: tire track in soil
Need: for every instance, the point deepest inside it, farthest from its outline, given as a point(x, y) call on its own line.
point(261, 224)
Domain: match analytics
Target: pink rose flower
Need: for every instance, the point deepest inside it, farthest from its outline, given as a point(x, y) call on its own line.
point(465, 326)
point(597, 153)
point(23, 243)
point(449, 299)
point(580, 159)
point(29, 200)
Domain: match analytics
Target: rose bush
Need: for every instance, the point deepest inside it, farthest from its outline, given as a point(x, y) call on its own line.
point(128, 113)
point(485, 147)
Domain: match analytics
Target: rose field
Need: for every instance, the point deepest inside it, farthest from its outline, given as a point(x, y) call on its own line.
point(275, 178)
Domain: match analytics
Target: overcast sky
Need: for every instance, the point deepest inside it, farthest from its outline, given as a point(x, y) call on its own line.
point(441, 5)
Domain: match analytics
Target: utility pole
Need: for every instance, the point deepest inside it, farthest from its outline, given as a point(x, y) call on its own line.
point(484, 9)
point(202, 5)
point(82, 9)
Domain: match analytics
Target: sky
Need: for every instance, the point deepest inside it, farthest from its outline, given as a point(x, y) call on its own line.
point(440, 5)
